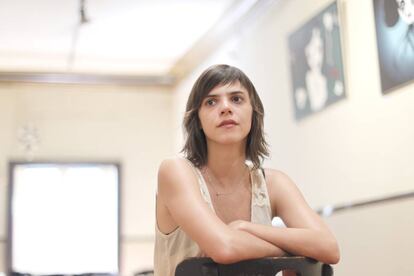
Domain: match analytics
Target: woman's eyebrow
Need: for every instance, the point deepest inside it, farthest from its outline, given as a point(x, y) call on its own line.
point(231, 93)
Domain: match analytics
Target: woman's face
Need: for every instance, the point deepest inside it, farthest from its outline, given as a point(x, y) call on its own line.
point(226, 114)
point(406, 10)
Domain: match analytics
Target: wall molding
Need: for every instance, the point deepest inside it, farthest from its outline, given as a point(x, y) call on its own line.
point(124, 239)
point(329, 210)
point(78, 78)
point(325, 211)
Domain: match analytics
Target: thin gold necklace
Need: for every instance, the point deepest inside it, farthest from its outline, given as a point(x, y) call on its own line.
point(217, 194)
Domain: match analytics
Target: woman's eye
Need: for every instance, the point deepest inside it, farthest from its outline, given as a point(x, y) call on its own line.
point(210, 102)
point(237, 99)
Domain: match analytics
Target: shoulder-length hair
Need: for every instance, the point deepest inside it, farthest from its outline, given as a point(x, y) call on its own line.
point(195, 148)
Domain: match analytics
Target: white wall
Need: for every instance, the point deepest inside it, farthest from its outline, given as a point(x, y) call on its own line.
point(130, 125)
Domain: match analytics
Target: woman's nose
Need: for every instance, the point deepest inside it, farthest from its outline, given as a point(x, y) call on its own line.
point(225, 107)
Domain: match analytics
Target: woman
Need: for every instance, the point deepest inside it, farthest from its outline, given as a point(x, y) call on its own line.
point(214, 203)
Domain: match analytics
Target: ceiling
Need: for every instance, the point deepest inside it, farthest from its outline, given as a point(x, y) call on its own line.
point(152, 40)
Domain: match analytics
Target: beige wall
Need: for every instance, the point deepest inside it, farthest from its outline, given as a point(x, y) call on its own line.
point(375, 240)
point(356, 149)
point(130, 125)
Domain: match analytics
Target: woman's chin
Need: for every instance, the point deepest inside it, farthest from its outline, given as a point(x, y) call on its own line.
point(231, 139)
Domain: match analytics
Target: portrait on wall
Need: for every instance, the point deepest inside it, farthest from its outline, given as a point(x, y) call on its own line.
point(394, 21)
point(316, 63)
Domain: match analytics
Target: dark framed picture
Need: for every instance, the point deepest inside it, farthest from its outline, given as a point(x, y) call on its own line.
point(316, 63)
point(394, 22)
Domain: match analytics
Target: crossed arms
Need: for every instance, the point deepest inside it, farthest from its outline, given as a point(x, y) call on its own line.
point(180, 204)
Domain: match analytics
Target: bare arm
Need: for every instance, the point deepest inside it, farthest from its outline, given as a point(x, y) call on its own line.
point(306, 235)
point(179, 195)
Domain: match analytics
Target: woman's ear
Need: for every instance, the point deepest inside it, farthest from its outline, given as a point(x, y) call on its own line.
point(390, 12)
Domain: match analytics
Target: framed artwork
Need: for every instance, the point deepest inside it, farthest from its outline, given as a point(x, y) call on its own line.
point(316, 63)
point(394, 22)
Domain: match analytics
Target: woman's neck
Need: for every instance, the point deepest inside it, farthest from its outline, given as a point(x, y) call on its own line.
point(226, 162)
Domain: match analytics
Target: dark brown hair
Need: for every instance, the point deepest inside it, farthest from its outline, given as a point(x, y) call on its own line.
point(195, 148)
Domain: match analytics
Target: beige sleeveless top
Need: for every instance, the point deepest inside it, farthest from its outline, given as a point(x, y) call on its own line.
point(171, 249)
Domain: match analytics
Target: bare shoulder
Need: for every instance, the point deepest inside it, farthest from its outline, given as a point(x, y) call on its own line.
point(173, 174)
point(281, 189)
point(173, 162)
point(172, 168)
point(280, 184)
point(277, 178)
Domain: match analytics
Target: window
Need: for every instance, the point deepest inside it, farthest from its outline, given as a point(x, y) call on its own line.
point(64, 218)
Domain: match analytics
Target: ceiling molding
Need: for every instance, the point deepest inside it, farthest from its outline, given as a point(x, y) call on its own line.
point(75, 78)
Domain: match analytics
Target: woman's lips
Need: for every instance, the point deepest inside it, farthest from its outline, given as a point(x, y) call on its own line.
point(227, 123)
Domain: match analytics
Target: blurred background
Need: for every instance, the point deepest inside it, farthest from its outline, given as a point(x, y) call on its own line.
point(106, 82)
